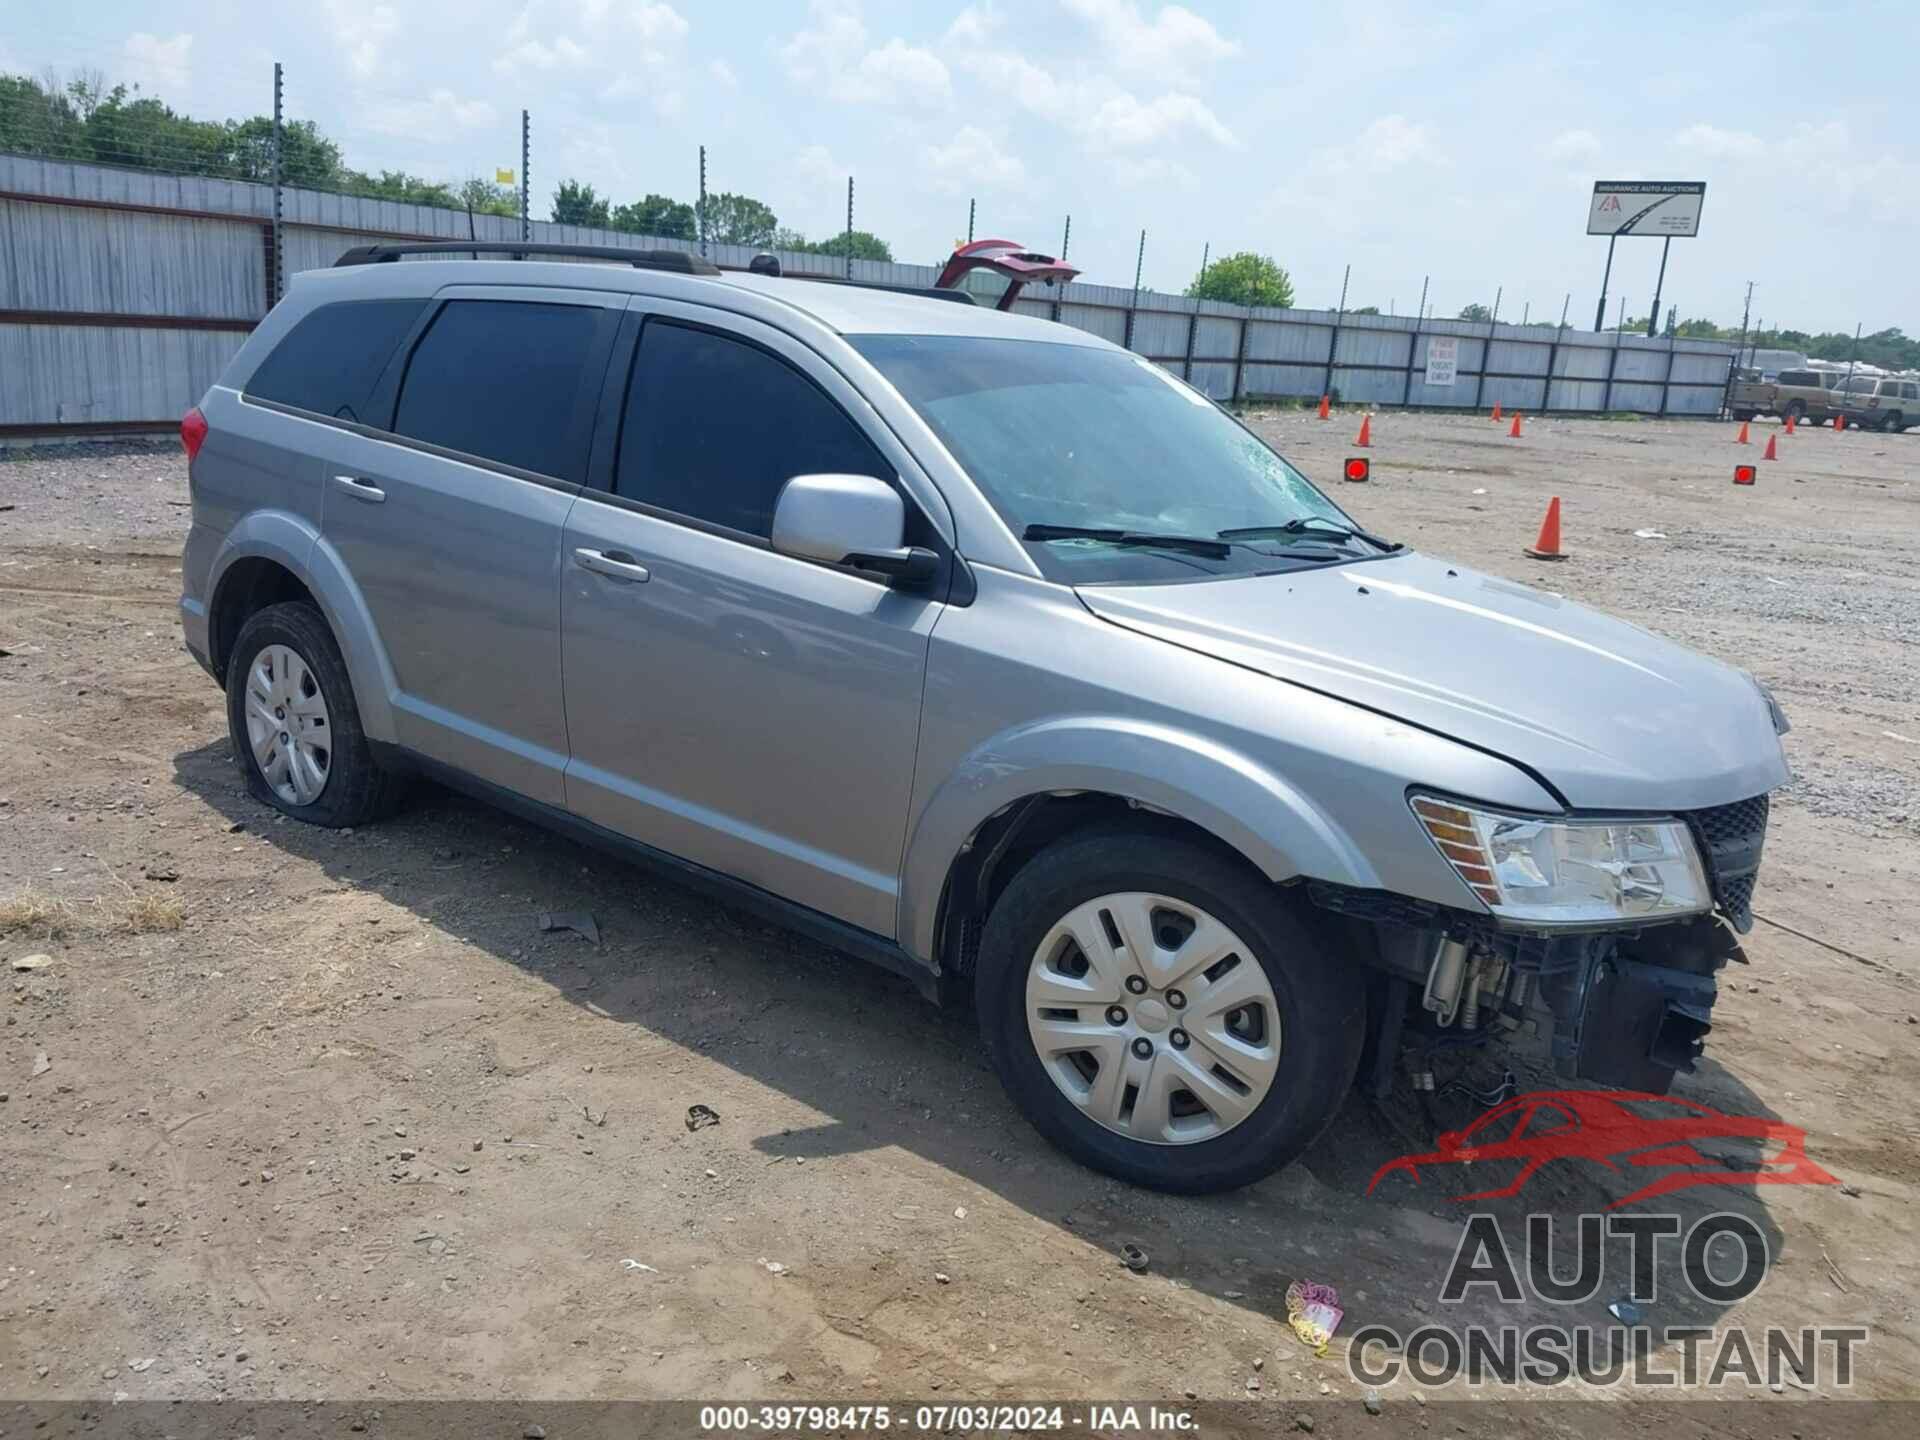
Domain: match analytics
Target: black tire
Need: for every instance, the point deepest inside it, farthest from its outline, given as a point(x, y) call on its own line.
point(1743, 415)
point(1318, 991)
point(1895, 422)
point(357, 789)
point(1796, 412)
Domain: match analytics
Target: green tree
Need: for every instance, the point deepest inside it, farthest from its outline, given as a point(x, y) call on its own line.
point(1245, 279)
point(574, 203)
point(657, 215)
point(483, 197)
point(739, 220)
point(39, 120)
point(1478, 314)
point(866, 245)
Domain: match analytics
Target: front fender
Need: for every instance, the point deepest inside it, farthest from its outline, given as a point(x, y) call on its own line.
point(1224, 792)
point(293, 543)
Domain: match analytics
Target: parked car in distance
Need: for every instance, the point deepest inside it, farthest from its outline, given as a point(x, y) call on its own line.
point(1803, 394)
point(981, 648)
point(1880, 402)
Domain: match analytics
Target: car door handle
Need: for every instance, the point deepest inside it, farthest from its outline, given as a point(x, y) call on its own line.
point(614, 564)
point(359, 489)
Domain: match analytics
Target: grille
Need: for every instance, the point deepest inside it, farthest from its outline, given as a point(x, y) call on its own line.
point(1730, 839)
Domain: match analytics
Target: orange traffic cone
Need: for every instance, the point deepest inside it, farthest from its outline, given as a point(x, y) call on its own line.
point(1547, 547)
point(1839, 423)
point(1365, 437)
point(1741, 438)
point(1325, 404)
point(1496, 410)
point(1514, 433)
point(1790, 424)
point(1773, 452)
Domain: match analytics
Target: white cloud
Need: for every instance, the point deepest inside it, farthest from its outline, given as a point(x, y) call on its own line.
point(657, 23)
point(833, 57)
point(1712, 141)
point(538, 55)
point(723, 73)
point(1394, 141)
point(975, 25)
point(1101, 114)
point(1572, 146)
point(167, 64)
point(440, 116)
point(1176, 43)
point(362, 29)
point(973, 160)
point(1128, 123)
point(815, 162)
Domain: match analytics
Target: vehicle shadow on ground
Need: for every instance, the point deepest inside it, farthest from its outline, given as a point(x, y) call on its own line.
point(860, 1046)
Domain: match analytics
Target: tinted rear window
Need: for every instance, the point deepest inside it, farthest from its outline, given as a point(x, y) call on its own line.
point(1799, 377)
point(506, 380)
point(714, 427)
point(329, 361)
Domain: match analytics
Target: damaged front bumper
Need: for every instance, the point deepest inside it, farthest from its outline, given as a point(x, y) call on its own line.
point(1621, 1006)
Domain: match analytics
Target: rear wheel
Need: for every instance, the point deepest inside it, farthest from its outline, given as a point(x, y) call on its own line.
point(1743, 415)
point(1895, 421)
point(1795, 412)
point(296, 730)
point(1160, 1014)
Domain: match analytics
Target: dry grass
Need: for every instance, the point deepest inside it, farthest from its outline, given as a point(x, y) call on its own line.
point(42, 917)
point(31, 913)
point(148, 911)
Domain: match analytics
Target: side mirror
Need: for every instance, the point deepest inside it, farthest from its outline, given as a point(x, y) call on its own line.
point(850, 520)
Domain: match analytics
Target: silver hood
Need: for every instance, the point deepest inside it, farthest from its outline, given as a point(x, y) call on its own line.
point(1613, 716)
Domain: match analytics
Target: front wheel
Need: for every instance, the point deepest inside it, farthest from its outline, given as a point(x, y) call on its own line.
point(1159, 1012)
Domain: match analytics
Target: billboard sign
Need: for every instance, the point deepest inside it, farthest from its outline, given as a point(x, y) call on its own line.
point(1665, 209)
point(1443, 359)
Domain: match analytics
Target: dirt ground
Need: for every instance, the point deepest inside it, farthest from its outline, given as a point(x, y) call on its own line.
point(358, 1130)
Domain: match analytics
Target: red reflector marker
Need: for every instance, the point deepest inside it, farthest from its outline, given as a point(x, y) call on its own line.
point(193, 430)
point(1358, 468)
point(1743, 474)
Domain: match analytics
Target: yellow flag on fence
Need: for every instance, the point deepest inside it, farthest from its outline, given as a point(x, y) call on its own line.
point(503, 177)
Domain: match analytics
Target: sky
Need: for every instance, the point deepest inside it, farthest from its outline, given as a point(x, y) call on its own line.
point(1406, 140)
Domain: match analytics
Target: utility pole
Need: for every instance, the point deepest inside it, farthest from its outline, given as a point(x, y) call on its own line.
point(969, 222)
point(1653, 315)
point(526, 159)
point(849, 227)
point(700, 218)
point(1205, 251)
point(1745, 312)
point(1853, 358)
point(1563, 309)
point(1623, 315)
point(279, 130)
point(1065, 236)
point(1498, 291)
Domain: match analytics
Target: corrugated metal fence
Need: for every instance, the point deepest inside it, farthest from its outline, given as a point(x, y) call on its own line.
point(123, 293)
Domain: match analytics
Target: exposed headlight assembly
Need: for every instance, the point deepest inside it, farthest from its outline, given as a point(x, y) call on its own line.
point(1569, 872)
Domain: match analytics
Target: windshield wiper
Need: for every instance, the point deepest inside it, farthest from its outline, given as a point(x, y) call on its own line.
point(1216, 547)
point(1309, 525)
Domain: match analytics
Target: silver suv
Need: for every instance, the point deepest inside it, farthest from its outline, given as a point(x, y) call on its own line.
point(985, 650)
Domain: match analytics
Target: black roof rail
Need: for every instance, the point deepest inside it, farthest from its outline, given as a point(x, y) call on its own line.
point(925, 292)
point(676, 260)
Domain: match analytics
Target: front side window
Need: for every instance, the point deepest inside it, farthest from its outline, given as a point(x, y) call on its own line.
point(506, 380)
point(1080, 438)
point(329, 361)
point(714, 427)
